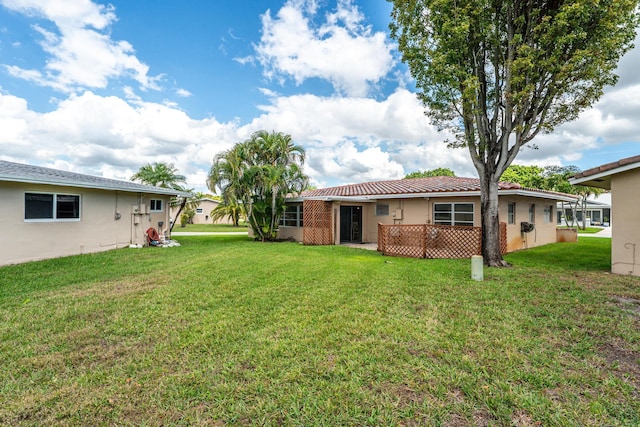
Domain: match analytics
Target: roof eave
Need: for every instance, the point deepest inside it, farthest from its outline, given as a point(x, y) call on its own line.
point(150, 190)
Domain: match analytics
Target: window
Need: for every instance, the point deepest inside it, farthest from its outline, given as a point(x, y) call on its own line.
point(199, 211)
point(511, 214)
point(532, 213)
point(548, 213)
point(382, 210)
point(51, 206)
point(453, 214)
point(292, 216)
point(155, 205)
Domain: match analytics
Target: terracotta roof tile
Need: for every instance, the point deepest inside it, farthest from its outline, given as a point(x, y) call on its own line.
point(607, 167)
point(439, 184)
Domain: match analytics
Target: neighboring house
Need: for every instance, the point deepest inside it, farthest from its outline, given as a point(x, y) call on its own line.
point(351, 213)
point(623, 179)
point(49, 213)
point(203, 213)
point(598, 211)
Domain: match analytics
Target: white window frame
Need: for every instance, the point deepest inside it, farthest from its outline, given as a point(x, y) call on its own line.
point(452, 211)
point(532, 213)
point(511, 213)
point(295, 218)
point(155, 209)
point(199, 211)
point(380, 209)
point(54, 209)
point(548, 213)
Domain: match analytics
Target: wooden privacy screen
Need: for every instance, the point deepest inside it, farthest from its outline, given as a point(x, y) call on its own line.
point(433, 241)
point(316, 216)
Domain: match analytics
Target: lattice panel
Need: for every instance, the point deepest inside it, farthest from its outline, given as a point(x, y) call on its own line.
point(317, 223)
point(402, 240)
point(445, 241)
point(433, 241)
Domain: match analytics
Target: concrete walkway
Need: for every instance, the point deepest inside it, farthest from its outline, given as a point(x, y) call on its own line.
point(605, 232)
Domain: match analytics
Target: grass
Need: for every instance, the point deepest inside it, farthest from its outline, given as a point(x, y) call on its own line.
point(223, 330)
point(587, 230)
point(215, 228)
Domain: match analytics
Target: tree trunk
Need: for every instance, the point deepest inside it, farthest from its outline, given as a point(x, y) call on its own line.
point(491, 253)
point(182, 205)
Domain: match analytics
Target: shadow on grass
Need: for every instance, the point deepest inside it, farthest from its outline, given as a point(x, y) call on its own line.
point(588, 254)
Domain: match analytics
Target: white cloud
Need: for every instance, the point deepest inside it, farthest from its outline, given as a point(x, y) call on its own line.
point(107, 136)
point(183, 93)
point(81, 53)
point(342, 50)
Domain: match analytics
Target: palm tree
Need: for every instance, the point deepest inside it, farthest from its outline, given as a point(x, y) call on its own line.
point(160, 174)
point(233, 211)
point(164, 175)
point(259, 173)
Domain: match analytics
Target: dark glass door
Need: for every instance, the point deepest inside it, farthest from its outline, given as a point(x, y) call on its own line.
point(351, 224)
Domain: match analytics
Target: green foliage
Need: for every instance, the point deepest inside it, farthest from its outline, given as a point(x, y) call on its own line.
point(231, 209)
point(187, 216)
point(431, 173)
point(497, 73)
point(160, 174)
point(259, 174)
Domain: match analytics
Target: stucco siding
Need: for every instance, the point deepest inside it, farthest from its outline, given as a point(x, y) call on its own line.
point(99, 228)
point(625, 243)
point(545, 224)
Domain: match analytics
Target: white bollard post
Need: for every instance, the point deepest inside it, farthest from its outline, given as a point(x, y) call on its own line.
point(477, 268)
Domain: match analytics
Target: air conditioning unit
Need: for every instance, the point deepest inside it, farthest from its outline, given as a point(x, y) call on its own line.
point(527, 227)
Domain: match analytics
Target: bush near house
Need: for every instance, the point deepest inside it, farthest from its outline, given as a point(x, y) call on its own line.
point(223, 330)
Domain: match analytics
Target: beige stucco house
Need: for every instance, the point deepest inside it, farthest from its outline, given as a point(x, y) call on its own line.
point(203, 213)
point(48, 213)
point(351, 213)
point(623, 179)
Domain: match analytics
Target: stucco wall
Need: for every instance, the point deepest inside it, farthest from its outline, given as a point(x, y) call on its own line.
point(625, 234)
point(420, 211)
point(545, 230)
point(96, 230)
point(202, 218)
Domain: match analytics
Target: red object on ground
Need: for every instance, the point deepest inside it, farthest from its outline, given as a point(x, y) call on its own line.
point(152, 236)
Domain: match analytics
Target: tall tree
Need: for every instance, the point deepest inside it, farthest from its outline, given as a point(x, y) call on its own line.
point(431, 173)
point(164, 175)
point(160, 174)
point(259, 173)
point(498, 72)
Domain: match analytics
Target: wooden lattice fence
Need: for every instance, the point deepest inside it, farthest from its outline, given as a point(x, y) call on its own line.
point(317, 230)
point(433, 241)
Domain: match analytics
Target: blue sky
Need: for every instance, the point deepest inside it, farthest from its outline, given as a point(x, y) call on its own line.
point(103, 88)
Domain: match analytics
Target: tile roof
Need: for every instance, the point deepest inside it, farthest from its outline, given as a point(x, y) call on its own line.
point(608, 167)
point(419, 186)
point(18, 172)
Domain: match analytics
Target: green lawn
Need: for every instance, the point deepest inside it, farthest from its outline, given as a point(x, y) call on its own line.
point(223, 330)
point(587, 230)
